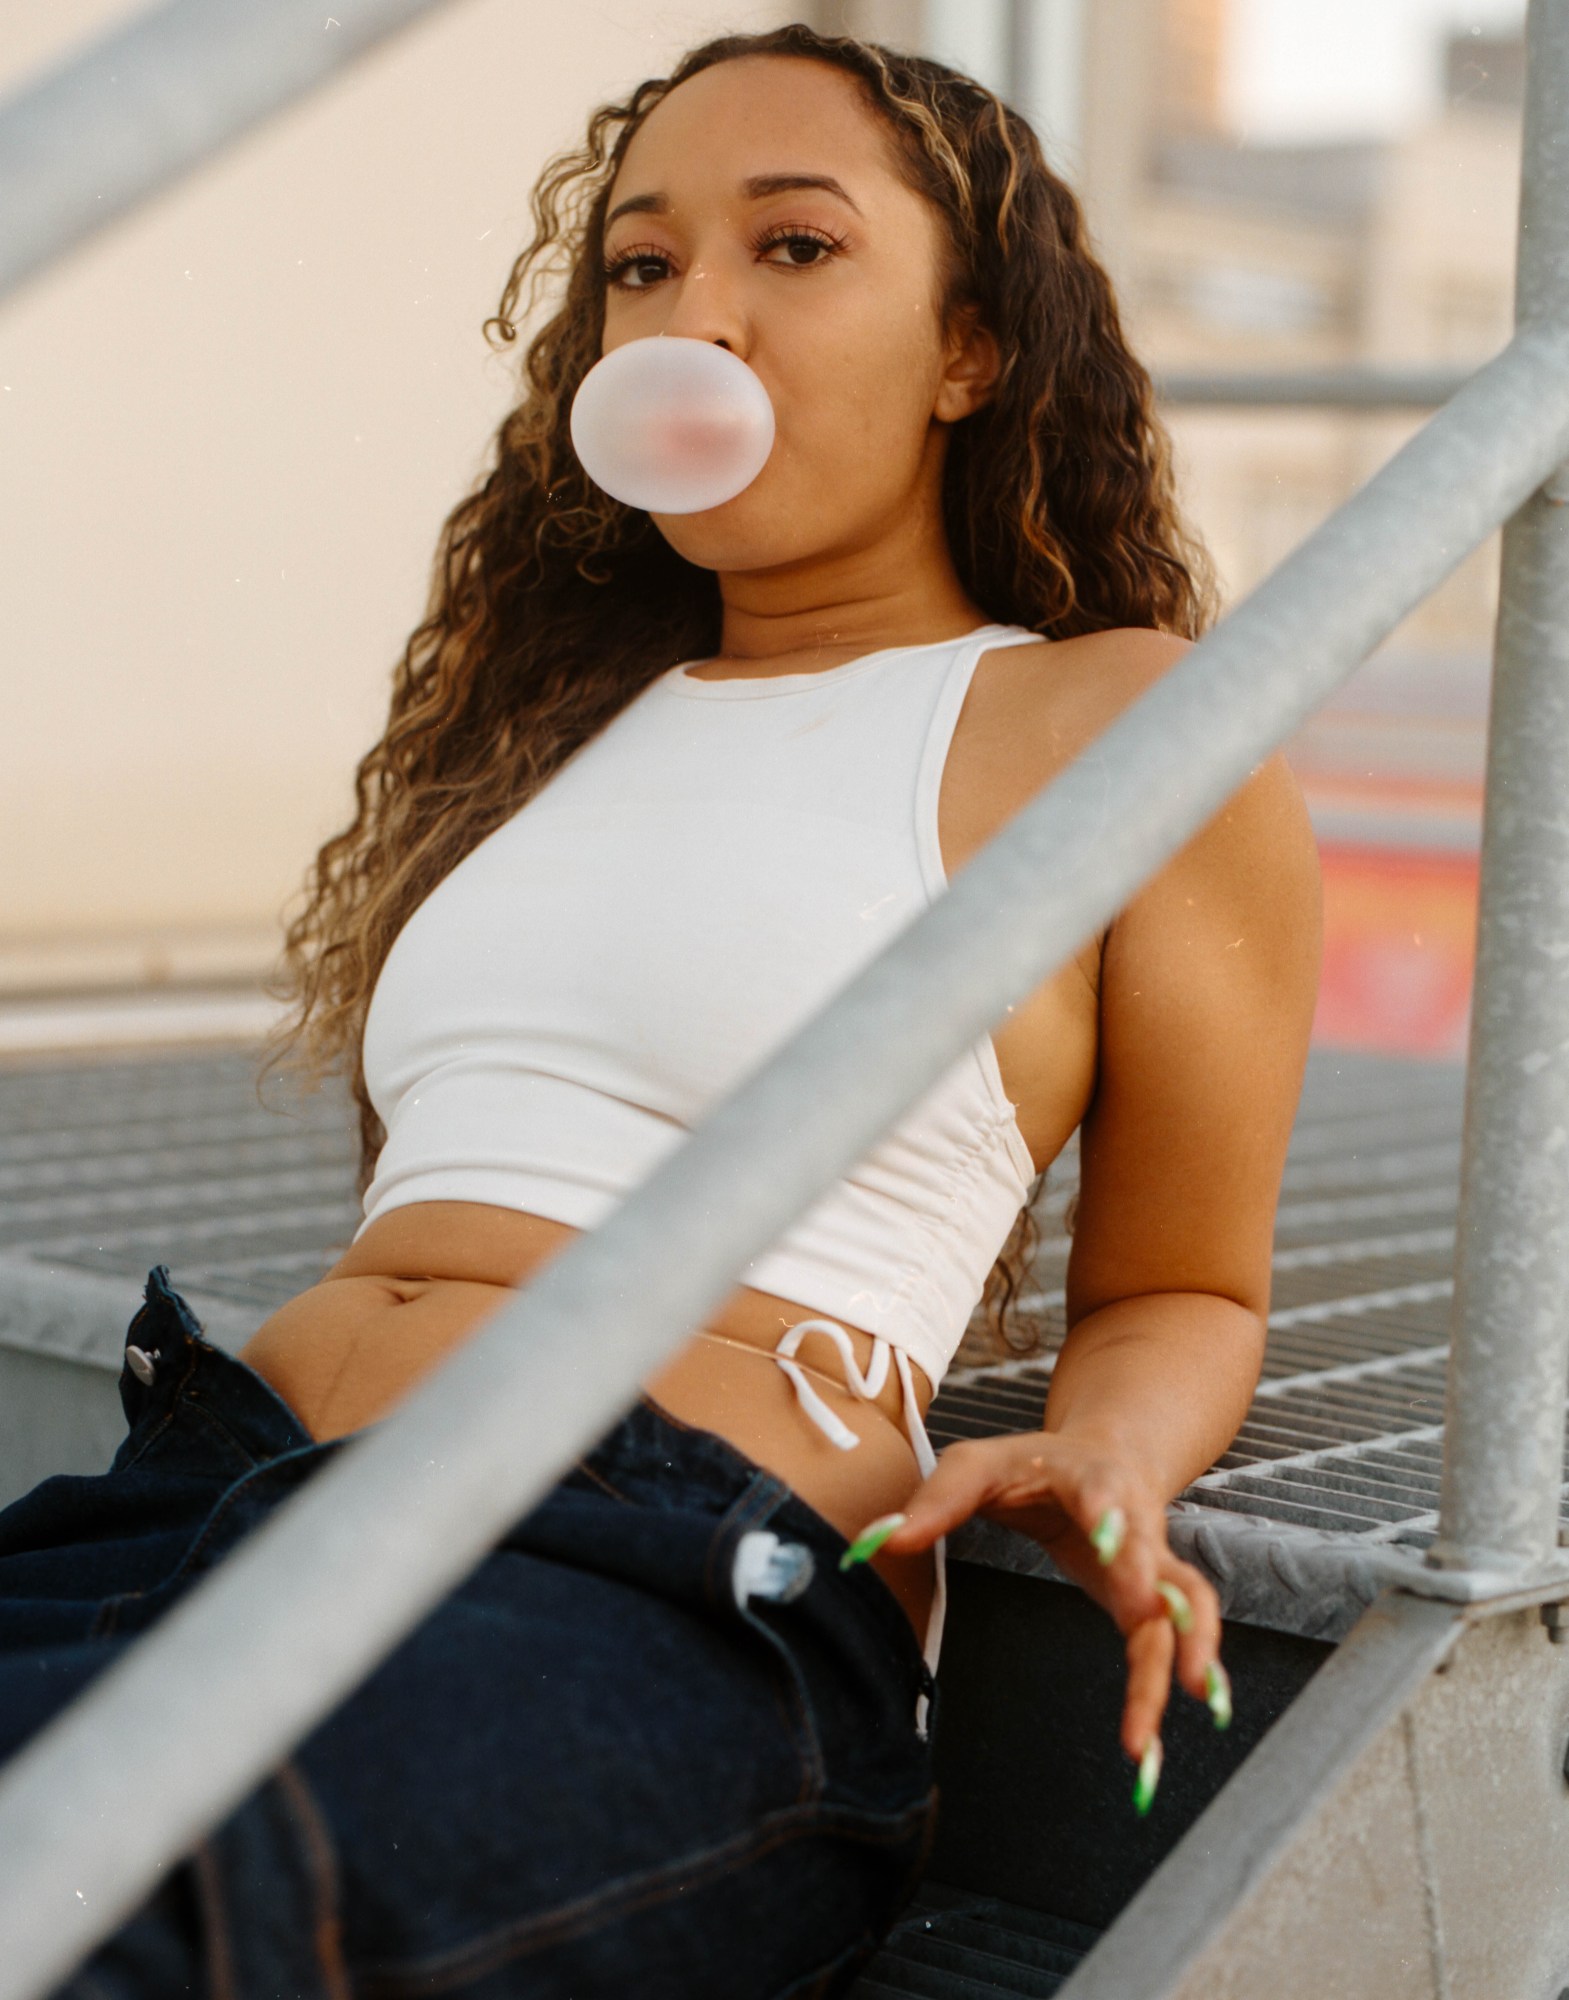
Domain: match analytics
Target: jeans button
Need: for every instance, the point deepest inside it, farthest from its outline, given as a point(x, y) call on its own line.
point(767, 1567)
point(141, 1365)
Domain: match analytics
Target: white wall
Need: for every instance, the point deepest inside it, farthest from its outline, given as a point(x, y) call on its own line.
point(230, 430)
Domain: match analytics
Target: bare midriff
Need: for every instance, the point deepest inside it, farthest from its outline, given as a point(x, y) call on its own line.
point(421, 1278)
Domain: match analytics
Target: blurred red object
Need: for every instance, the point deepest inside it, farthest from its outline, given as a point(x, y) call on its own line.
point(1399, 949)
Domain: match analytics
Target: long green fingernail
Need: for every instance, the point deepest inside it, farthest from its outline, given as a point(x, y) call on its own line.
point(1217, 1691)
point(871, 1538)
point(1177, 1602)
point(1107, 1533)
point(1149, 1776)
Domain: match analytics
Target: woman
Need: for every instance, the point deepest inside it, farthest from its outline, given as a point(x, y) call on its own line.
point(650, 789)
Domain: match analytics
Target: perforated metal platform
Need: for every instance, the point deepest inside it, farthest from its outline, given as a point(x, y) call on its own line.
point(1345, 1434)
point(109, 1166)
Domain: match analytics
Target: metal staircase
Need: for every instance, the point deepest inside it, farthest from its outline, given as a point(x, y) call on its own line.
point(109, 1165)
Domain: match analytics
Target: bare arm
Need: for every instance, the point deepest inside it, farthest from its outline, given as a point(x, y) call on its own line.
point(1165, 1379)
point(1208, 985)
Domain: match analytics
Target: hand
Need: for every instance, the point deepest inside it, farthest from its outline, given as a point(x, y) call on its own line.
point(1058, 1487)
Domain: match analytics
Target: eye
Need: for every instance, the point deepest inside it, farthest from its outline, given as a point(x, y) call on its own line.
point(641, 267)
point(619, 269)
point(814, 239)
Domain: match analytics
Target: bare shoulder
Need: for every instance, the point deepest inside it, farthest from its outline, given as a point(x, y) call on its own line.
point(1104, 673)
point(1125, 657)
point(1081, 682)
point(1031, 709)
point(1058, 696)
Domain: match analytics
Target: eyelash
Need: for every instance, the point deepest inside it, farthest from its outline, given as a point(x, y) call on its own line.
point(792, 232)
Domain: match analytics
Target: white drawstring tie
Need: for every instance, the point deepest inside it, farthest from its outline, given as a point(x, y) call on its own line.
point(833, 1427)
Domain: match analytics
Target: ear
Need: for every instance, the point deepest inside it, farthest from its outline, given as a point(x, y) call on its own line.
point(974, 361)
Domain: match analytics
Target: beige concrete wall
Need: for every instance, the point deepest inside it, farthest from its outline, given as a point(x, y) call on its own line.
point(230, 430)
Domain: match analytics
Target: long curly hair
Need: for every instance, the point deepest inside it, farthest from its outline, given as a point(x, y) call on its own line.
point(551, 605)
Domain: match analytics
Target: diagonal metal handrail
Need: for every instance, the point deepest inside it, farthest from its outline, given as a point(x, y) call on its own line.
point(349, 1565)
point(133, 112)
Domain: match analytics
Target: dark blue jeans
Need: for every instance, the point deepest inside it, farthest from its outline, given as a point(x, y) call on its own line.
point(593, 1770)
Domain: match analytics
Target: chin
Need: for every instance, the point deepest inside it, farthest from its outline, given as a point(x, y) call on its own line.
point(724, 538)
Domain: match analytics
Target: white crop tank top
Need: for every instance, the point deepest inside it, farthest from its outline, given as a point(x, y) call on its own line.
point(682, 894)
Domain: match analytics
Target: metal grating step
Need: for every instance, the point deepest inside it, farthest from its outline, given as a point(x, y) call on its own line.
point(116, 1164)
point(111, 1165)
point(1344, 1439)
point(953, 1944)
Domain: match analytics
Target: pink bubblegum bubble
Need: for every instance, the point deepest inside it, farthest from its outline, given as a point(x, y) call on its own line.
point(671, 424)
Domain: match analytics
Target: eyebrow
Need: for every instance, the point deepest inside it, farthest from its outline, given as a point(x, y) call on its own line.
point(754, 189)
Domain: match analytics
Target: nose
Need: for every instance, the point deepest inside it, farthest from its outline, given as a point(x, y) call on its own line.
point(703, 308)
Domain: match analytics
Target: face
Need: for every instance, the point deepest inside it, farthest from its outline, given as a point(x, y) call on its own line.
point(829, 294)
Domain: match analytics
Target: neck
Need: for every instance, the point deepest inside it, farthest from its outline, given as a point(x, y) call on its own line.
point(902, 590)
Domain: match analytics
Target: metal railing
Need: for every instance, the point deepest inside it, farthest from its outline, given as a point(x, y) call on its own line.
point(1504, 1403)
point(93, 139)
point(1356, 386)
point(94, 1807)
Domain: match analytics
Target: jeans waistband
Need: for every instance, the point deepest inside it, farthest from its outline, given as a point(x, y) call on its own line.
point(173, 1373)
